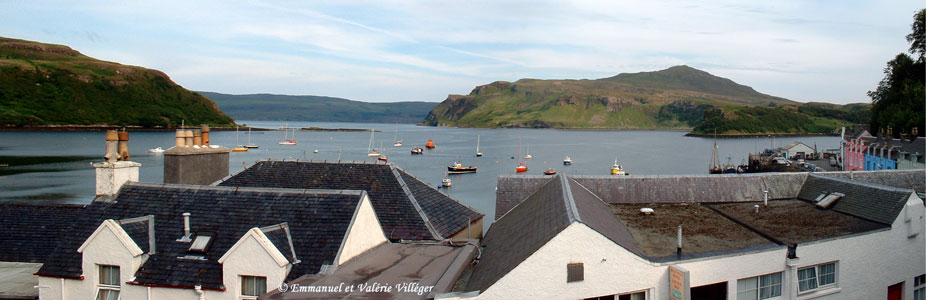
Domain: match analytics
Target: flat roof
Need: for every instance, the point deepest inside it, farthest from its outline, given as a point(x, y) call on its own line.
point(795, 221)
point(703, 230)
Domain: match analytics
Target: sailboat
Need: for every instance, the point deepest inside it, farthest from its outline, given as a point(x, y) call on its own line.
point(397, 142)
point(382, 157)
point(285, 140)
point(715, 168)
point(521, 168)
point(372, 152)
point(238, 147)
point(249, 145)
point(478, 154)
point(528, 156)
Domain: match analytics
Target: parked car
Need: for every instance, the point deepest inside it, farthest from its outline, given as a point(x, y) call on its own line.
point(833, 162)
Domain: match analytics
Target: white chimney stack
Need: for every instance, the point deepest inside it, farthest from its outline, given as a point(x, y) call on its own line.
point(186, 228)
point(116, 170)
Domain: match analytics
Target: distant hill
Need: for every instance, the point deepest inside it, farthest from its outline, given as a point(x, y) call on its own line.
point(679, 97)
point(269, 107)
point(46, 84)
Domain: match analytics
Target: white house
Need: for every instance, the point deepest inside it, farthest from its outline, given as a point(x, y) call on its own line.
point(159, 241)
point(797, 150)
point(817, 237)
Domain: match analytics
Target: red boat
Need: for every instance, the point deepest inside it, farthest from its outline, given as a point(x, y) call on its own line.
point(549, 172)
point(521, 168)
point(430, 144)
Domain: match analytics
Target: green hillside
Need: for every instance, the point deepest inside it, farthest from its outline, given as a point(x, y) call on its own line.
point(46, 84)
point(679, 97)
point(268, 107)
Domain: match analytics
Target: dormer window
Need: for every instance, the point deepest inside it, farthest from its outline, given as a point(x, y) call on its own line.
point(109, 283)
point(201, 242)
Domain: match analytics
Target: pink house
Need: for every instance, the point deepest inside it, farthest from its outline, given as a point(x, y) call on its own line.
point(855, 151)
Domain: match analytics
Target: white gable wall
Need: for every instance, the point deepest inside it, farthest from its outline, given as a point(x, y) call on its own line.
point(250, 258)
point(105, 247)
point(364, 233)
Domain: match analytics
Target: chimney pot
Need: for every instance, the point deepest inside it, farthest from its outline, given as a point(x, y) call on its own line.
point(188, 137)
point(180, 138)
point(205, 131)
point(124, 145)
point(112, 151)
point(197, 137)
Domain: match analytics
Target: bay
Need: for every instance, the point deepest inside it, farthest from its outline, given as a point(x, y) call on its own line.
point(55, 166)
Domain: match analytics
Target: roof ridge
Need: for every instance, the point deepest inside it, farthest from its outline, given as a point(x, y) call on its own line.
point(246, 189)
point(571, 210)
point(411, 198)
point(863, 183)
point(520, 201)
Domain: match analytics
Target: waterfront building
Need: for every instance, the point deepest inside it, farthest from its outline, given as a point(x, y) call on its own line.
point(830, 235)
point(797, 150)
point(855, 148)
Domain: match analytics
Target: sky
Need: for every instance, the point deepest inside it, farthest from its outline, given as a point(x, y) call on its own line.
point(386, 51)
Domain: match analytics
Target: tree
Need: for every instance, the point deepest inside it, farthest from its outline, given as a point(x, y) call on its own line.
point(899, 101)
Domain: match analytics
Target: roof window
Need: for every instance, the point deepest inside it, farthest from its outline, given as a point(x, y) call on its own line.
point(829, 200)
point(201, 242)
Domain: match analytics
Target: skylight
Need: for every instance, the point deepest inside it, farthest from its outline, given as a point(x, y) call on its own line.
point(200, 243)
point(829, 200)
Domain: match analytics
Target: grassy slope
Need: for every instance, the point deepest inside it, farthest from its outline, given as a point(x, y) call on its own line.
point(317, 108)
point(45, 84)
point(673, 98)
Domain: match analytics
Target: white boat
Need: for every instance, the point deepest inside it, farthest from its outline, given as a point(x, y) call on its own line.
point(567, 161)
point(528, 156)
point(445, 182)
point(397, 142)
point(286, 140)
point(478, 154)
point(249, 145)
point(156, 150)
point(372, 152)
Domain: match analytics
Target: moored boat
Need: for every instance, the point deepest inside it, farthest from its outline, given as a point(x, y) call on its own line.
point(156, 150)
point(372, 152)
point(549, 172)
point(430, 144)
point(417, 150)
point(521, 168)
point(617, 169)
point(567, 161)
point(478, 153)
point(249, 145)
point(458, 168)
point(446, 182)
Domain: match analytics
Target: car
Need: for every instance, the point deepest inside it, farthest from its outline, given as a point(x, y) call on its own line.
point(833, 162)
point(800, 161)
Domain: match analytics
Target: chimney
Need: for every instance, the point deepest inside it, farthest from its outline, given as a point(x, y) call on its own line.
point(117, 169)
point(205, 131)
point(181, 142)
point(188, 137)
point(186, 228)
point(124, 145)
point(197, 137)
point(195, 165)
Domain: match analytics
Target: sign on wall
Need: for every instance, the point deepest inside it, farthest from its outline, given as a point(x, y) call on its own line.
point(679, 284)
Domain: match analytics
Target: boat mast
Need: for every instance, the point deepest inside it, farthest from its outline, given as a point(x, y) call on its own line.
point(477, 143)
point(714, 158)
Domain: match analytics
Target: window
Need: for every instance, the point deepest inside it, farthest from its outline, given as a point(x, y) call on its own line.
point(253, 286)
point(201, 242)
point(109, 283)
point(759, 287)
point(815, 277)
point(919, 287)
point(628, 296)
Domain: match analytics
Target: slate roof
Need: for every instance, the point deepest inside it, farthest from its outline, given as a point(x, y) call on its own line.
point(907, 179)
point(29, 232)
point(318, 221)
point(407, 208)
point(512, 239)
point(513, 189)
point(874, 202)
point(676, 188)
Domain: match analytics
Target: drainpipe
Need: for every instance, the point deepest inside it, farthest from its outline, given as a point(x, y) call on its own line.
point(63, 295)
point(149, 292)
point(199, 290)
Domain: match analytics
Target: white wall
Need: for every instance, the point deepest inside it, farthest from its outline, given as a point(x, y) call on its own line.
point(252, 259)
point(111, 176)
point(364, 233)
point(105, 248)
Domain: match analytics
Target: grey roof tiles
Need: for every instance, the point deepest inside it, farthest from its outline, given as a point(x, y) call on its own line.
point(30, 232)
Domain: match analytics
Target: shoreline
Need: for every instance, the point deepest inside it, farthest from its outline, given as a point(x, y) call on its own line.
point(60, 128)
point(757, 135)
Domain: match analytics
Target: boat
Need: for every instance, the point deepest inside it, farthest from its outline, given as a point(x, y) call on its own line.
point(315, 151)
point(396, 141)
point(445, 182)
point(715, 168)
point(729, 168)
point(249, 145)
point(286, 140)
point(238, 147)
point(567, 161)
point(617, 169)
point(430, 144)
point(528, 156)
point(478, 154)
point(417, 150)
point(372, 152)
point(156, 150)
point(458, 168)
point(521, 168)
point(382, 158)
point(549, 172)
